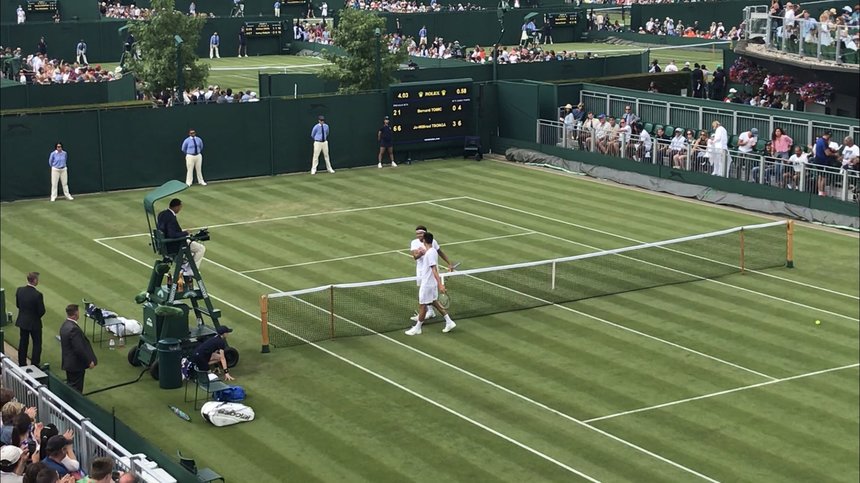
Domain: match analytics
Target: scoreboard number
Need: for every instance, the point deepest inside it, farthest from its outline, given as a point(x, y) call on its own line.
point(430, 112)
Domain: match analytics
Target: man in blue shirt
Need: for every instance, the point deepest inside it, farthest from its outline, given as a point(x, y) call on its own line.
point(81, 53)
point(214, 43)
point(211, 352)
point(824, 156)
point(59, 172)
point(277, 8)
point(193, 149)
point(422, 35)
point(319, 133)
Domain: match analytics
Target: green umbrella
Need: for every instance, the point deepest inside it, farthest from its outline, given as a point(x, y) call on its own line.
point(530, 16)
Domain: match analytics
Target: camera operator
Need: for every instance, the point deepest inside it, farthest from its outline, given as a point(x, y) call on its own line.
point(168, 223)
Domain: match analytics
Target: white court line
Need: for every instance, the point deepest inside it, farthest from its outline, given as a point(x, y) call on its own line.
point(384, 378)
point(269, 67)
point(616, 235)
point(720, 393)
point(790, 302)
point(350, 257)
point(303, 215)
point(482, 379)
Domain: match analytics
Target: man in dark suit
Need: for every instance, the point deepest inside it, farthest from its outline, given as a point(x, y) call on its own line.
point(78, 355)
point(168, 224)
point(31, 308)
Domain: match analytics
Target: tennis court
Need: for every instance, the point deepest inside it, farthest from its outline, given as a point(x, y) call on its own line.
point(716, 379)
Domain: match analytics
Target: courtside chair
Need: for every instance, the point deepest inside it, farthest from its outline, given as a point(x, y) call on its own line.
point(203, 475)
point(201, 381)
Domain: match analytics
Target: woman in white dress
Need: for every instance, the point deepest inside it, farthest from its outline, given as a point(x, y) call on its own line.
point(825, 25)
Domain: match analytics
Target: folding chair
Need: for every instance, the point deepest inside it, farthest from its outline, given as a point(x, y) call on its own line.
point(99, 320)
point(472, 147)
point(201, 381)
point(203, 475)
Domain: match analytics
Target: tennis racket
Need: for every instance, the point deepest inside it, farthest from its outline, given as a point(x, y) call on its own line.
point(455, 266)
point(444, 300)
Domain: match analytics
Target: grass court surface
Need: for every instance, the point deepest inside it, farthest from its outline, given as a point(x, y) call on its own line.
point(715, 380)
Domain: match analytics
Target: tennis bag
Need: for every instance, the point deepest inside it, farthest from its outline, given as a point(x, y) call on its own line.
point(231, 394)
point(226, 413)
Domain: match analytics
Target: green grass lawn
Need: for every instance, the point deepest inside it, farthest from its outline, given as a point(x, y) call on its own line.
point(724, 379)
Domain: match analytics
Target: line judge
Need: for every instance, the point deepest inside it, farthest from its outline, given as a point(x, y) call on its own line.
point(319, 133)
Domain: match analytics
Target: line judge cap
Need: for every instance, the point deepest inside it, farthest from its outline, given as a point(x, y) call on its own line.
point(385, 118)
point(321, 118)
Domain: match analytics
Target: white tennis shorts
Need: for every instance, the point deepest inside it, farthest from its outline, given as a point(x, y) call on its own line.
point(428, 293)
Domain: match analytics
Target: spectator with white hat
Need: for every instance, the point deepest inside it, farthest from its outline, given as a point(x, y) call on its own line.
point(13, 460)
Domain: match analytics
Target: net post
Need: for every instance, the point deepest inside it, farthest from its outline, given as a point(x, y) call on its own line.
point(331, 309)
point(789, 244)
point(264, 322)
point(552, 283)
point(743, 248)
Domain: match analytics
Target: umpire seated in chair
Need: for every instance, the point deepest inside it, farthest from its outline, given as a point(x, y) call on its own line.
point(168, 224)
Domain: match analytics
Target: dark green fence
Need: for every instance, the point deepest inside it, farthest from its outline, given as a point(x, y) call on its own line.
point(654, 39)
point(103, 41)
point(32, 96)
point(70, 10)
point(303, 84)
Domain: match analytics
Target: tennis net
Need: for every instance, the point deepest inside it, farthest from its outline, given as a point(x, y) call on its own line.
point(352, 309)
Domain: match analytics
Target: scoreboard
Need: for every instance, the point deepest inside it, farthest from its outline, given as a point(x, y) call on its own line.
point(426, 112)
point(42, 6)
point(263, 29)
point(567, 19)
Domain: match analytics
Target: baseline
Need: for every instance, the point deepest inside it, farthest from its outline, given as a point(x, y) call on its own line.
point(302, 215)
point(384, 378)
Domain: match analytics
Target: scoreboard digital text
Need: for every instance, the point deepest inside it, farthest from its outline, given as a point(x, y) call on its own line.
point(428, 112)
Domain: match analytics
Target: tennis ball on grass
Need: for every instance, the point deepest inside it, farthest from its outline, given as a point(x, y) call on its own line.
point(817, 322)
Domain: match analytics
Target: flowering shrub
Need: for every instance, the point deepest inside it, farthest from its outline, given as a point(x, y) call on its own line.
point(746, 72)
point(779, 83)
point(818, 91)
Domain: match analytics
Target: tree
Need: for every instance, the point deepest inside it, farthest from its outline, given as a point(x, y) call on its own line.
point(356, 71)
point(156, 67)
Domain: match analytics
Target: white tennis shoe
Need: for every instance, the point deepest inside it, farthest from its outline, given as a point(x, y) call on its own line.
point(415, 330)
point(449, 326)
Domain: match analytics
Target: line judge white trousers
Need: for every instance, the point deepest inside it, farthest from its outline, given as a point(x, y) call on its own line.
point(193, 162)
point(82, 55)
point(213, 51)
point(320, 147)
point(59, 175)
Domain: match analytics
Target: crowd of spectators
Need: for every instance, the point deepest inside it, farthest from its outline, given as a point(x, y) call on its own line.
point(831, 25)
point(127, 12)
point(40, 69)
point(313, 31)
point(33, 452)
point(668, 27)
point(212, 94)
point(412, 6)
point(523, 54)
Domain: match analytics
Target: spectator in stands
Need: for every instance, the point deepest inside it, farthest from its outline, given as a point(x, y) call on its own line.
point(58, 449)
point(797, 161)
point(630, 117)
point(623, 140)
point(569, 122)
point(850, 154)
point(32, 471)
point(129, 478)
point(678, 149)
point(652, 88)
point(643, 146)
point(600, 132)
point(655, 67)
point(747, 140)
point(8, 412)
point(662, 141)
point(25, 431)
point(700, 151)
point(70, 461)
point(13, 461)
point(718, 147)
point(101, 470)
point(608, 143)
point(671, 67)
point(6, 395)
point(589, 126)
point(781, 143)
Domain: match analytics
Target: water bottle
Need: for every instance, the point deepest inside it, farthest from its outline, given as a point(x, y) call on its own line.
point(121, 341)
point(180, 413)
point(112, 343)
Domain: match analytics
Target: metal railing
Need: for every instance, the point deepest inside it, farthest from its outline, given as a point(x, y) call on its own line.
point(804, 37)
point(89, 441)
point(680, 114)
point(842, 184)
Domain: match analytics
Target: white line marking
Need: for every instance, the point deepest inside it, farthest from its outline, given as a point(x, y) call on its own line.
point(267, 67)
point(604, 232)
point(350, 257)
point(383, 378)
point(303, 215)
point(790, 302)
point(720, 393)
point(484, 380)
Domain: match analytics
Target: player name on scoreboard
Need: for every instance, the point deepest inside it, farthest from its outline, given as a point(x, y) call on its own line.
point(263, 29)
point(42, 6)
point(567, 19)
point(428, 112)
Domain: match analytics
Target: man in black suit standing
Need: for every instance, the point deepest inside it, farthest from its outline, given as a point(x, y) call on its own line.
point(168, 224)
point(78, 355)
point(31, 308)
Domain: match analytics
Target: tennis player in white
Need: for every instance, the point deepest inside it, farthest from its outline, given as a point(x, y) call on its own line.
point(429, 288)
point(417, 250)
